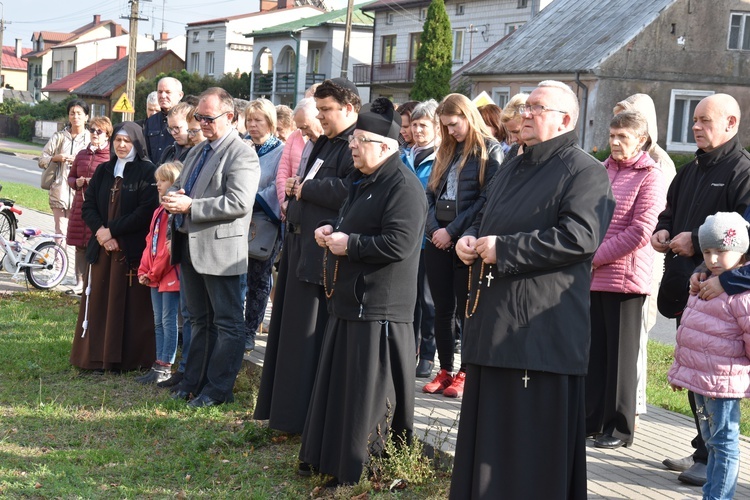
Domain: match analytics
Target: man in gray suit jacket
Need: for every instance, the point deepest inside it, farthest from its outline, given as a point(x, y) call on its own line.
point(213, 200)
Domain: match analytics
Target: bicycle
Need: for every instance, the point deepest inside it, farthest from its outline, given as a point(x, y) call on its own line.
point(8, 218)
point(39, 257)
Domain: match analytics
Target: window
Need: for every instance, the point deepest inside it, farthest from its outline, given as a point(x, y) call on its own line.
point(739, 31)
point(511, 27)
point(58, 66)
point(527, 90)
point(458, 45)
point(71, 68)
point(210, 35)
point(680, 127)
point(460, 9)
point(388, 56)
point(210, 63)
point(313, 61)
point(422, 13)
point(415, 41)
point(522, 4)
point(501, 95)
point(389, 18)
point(196, 36)
point(195, 59)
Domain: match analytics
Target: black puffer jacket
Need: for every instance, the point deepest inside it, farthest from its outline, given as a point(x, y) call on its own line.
point(470, 195)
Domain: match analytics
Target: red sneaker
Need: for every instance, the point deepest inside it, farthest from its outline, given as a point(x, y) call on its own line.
point(456, 389)
point(442, 380)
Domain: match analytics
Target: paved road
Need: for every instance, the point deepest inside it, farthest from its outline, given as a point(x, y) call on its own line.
point(21, 169)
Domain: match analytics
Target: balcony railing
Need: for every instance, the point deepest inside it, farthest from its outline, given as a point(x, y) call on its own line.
point(262, 82)
point(395, 72)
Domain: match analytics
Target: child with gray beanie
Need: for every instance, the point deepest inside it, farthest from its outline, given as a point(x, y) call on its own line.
point(712, 356)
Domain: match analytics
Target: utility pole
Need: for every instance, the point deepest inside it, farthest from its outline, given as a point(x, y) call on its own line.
point(347, 38)
point(132, 54)
point(2, 30)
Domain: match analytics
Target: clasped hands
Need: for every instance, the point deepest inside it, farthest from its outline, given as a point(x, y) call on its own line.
point(336, 242)
point(681, 244)
point(105, 239)
point(470, 248)
point(176, 202)
point(293, 187)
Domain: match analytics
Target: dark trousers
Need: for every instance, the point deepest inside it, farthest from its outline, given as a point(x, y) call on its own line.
point(701, 453)
point(611, 382)
point(447, 277)
point(218, 332)
point(424, 316)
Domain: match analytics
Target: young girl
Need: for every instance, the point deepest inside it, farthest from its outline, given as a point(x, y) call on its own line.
point(156, 272)
point(711, 357)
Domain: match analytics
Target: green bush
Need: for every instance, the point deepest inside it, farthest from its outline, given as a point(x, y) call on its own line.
point(26, 127)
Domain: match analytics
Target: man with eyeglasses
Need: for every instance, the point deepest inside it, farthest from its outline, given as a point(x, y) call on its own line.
point(212, 201)
point(177, 125)
point(156, 128)
point(299, 307)
point(527, 332)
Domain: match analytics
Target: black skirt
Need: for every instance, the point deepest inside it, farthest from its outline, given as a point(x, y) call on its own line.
point(364, 389)
point(520, 439)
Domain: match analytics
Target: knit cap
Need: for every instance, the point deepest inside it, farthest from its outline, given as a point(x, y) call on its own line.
point(724, 231)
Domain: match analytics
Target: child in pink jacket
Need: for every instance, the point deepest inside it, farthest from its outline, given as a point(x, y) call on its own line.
point(713, 351)
point(157, 272)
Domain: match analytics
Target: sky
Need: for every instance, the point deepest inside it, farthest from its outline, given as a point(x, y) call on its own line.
point(24, 17)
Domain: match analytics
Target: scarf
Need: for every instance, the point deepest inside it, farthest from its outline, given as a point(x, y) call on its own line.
point(271, 143)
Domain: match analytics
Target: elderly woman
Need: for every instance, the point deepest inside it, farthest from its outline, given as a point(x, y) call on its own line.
point(59, 153)
point(621, 281)
point(260, 122)
point(512, 120)
point(419, 158)
point(85, 164)
point(364, 390)
point(112, 332)
point(465, 162)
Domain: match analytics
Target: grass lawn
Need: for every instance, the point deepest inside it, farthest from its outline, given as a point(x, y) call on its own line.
point(67, 434)
point(19, 146)
point(26, 196)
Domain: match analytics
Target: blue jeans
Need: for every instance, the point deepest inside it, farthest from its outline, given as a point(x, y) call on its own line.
point(187, 328)
point(165, 306)
point(218, 334)
point(720, 428)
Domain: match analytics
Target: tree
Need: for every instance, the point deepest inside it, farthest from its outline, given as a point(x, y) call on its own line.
point(434, 57)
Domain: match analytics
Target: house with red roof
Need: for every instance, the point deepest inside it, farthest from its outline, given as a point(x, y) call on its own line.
point(13, 74)
point(46, 65)
point(61, 89)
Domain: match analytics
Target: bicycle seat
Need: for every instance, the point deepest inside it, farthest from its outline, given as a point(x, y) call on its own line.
point(30, 231)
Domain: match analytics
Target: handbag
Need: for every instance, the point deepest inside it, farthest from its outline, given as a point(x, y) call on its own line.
point(675, 284)
point(445, 210)
point(49, 175)
point(265, 231)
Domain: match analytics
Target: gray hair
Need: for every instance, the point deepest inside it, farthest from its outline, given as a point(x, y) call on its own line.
point(425, 109)
point(173, 81)
point(153, 98)
point(572, 104)
point(306, 106)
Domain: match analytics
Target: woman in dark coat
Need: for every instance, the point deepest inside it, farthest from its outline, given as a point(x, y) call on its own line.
point(85, 164)
point(112, 332)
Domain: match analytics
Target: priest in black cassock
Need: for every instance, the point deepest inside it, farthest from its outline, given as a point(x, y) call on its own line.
point(526, 337)
point(364, 386)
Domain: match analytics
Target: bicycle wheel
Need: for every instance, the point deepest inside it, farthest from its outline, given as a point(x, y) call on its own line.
point(7, 226)
point(53, 268)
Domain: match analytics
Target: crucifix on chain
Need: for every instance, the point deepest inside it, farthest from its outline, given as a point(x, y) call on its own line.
point(525, 378)
point(489, 278)
point(115, 189)
point(130, 276)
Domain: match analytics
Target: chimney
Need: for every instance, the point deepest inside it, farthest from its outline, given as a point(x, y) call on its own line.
point(121, 52)
point(163, 36)
point(268, 5)
point(97, 18)
point(19, 50)
point(115, 30)
point(283, 4)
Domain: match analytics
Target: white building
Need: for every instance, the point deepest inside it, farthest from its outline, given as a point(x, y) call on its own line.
point(219, 46)
point(67, 58)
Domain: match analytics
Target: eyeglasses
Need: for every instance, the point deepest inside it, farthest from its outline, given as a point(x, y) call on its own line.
point(193, 131)
point(536, 109)
point(96, 131)
point(174, 130)
point(361, 139)
point(208, 119)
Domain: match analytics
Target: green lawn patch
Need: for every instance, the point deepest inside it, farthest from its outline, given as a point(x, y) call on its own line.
point(26, 197)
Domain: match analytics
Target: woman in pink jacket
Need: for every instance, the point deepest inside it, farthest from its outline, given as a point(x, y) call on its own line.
point(621, 281)
point(711, 357)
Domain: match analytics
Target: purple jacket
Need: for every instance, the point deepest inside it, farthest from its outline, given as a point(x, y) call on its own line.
point(622, 264)
point(713, 346)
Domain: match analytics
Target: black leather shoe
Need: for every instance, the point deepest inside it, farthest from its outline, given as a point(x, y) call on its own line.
point(180, 394)
point(424, 368)
point(203, 401)
point(609, 442)
point(305, 470)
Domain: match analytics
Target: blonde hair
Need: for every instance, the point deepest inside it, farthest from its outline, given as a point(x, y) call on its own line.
point(169, 171)
point(267, 109)
point(474, 144)
point(510, 110)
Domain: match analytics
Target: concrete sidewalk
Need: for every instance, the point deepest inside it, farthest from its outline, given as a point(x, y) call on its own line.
point(634, 472)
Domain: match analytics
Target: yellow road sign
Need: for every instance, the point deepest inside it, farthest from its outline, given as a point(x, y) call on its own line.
point(482, 99)
point(123, 105)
